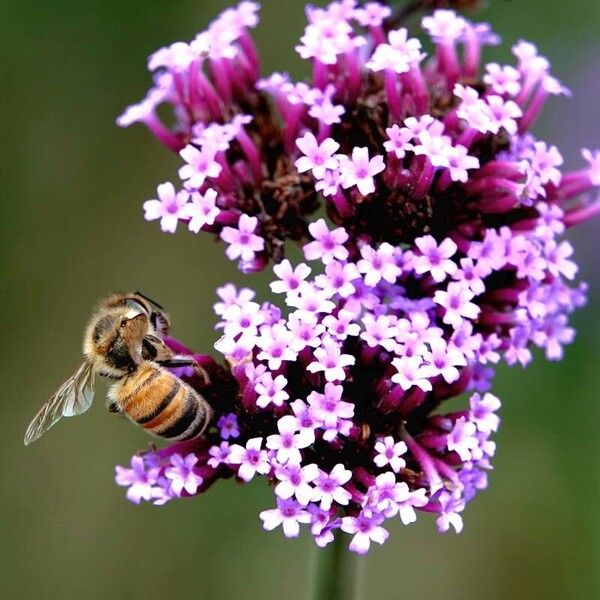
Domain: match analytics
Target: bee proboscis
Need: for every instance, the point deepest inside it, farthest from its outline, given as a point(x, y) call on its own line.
point(124, 343)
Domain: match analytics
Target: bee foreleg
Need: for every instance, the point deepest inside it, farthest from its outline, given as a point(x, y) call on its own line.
point(113, 406)
point(173, 363)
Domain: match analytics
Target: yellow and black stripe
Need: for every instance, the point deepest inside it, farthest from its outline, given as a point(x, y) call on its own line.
point(162, 403)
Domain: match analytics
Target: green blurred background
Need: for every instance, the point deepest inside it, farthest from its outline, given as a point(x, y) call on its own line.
point(72, 231)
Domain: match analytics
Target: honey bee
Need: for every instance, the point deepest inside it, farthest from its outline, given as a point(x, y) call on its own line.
point(124, 342)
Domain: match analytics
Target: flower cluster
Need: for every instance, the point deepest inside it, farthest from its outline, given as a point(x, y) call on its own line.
point(442, 257)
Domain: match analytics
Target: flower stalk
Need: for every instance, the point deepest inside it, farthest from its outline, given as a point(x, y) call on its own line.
point(335, 572)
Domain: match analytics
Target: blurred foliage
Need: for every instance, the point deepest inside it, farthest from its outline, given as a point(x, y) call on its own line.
point(72, 230)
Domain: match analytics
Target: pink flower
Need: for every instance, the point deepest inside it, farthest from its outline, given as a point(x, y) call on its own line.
point(366, 529)
point(482, 412)
point(327, 244)
point(295, 480)
point(169, 209)
point(411, 371)
point(243, 242)
point(503, 79)
point(290, 279)
point(462, 438)
point(271, 390)
point(201, 164)
point(317, 157)
point(593, 159)
point(372, 14)
point(275, 345)
point(329, 487)
point(435, 259)
point(444, 26)
point(202, 210)
point(289, 514)
point(457, 304)
point(399, 140)
point(360, 170)
point(139, 479)
point(182, 474)
point(378, 264)
point(389, 452)
point(251, 459)
point(459, 162)
point(289, 441)
point(331, 361)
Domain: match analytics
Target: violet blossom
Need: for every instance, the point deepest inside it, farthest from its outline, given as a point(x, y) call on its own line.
point(441, 256)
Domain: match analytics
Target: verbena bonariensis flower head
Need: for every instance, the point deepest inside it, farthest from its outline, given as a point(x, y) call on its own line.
point(442, 256)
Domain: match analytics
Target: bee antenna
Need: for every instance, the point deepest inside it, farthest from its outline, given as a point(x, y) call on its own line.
point(149, 300)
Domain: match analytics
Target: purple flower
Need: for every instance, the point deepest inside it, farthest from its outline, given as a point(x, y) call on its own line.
point(406, 508)
point(459, 163)
point(243, 243)
point(385, 495)
point(290, 279)
point(275, 345)
point(442, 251)
point(462, 438)
point(219, 455)
point(341, 325)
point(412, 371)
point(317, 157)
point(360, 171)
point(329, 487)
point(138, 479)
point(372, 15)
point(251, 459)
point(289, 514)
point(593, 159)
point(271, 390)
point(457, 304)
point(378, 264)
point(182, 474)
point(444, 26)
point(228, 426)
point(201, 164)
point(327, 245)
point(503, 79)
point(482, 412)
point(329, 407)
point(450, 507)
point(169, 208)
point(331, 361)
point(289, 441)
point(399, 141)
point(202, 210)
point(389, 452)
point(435, 259)
point(295, 480)
point(366, 529)
point(338, 278)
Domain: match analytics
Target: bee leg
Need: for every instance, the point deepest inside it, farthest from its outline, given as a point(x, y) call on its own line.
point(113, 407)
point(186, 362)
point(203, 373)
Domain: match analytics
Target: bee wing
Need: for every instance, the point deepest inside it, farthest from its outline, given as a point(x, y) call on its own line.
point(73, 397)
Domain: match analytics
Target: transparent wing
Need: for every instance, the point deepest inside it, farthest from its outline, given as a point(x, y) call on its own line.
point(73, 397)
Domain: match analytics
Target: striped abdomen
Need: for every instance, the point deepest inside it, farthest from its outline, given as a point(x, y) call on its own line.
point(162, 403)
